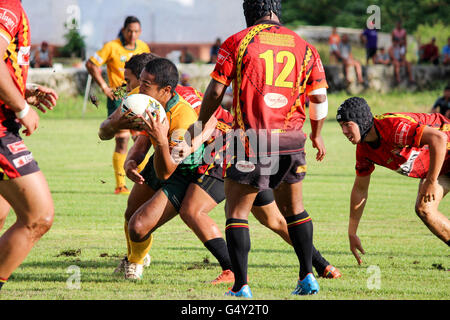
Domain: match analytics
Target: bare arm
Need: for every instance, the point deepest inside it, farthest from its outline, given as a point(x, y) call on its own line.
point(316, 129)
point(135, 156)
point(96, 73)
point(211, 101)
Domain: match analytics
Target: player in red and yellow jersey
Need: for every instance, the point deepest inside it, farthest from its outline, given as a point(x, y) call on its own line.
point(23, 187)
point(114, 54)
point(413, 144)
point(272, 70)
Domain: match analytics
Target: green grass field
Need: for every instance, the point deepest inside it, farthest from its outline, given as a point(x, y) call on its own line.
point(408, 261)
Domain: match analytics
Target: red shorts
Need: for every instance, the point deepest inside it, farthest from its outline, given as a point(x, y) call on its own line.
point(15, 158)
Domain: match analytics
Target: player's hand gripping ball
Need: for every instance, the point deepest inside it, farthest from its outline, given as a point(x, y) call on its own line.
point(138, 103)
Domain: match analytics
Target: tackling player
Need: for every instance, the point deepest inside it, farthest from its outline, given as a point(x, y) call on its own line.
point(273, 70)
point(413, 144)
point(23, 187)
point(114, 54)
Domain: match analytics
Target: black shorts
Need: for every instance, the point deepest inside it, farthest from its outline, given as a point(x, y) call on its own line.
point(269, 172)
point(370, 52)
point(15, 158)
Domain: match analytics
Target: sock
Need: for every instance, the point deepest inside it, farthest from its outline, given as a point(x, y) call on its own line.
point(300, 229)
point(119, 172)
point(127, 237)
point(139, 250)
point(238, 242)
point(319, 263)
point(218, 248)
point(144, 162)
point(2, 282)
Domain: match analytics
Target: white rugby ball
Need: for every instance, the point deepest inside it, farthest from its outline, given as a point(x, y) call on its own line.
point(139, 102)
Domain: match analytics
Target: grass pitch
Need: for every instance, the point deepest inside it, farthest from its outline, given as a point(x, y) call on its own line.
point(403, 259)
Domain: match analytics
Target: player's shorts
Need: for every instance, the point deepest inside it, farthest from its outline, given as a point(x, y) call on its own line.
point(269, 172)
point(370, 52)
point(112, 105)
point(263, 198)
point(174, 188)
point(15, 158)
point(213, 186)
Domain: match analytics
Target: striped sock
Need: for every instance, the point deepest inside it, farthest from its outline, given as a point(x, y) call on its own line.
point(2, 282)
point(238, 242)
point(300, 229)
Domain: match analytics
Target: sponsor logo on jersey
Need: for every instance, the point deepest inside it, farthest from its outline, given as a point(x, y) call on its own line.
point(8, 19)
point(23, 57)
point(222, 56)
point(17, 147)
point(401, 133)
point(275, 100)
point(23, 160)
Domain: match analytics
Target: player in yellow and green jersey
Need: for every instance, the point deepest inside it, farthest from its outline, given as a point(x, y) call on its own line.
point(114, 54)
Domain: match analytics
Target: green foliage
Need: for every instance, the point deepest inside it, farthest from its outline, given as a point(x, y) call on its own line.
point(439, 30)
point(75, 45)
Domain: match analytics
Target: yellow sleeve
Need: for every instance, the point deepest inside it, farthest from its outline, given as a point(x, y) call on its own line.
point(102, 56)
point(181, 118)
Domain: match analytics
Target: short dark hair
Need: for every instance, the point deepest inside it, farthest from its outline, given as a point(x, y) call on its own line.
point(130, 20)
point(256, 9)
point(164, 71)
point(138, 62)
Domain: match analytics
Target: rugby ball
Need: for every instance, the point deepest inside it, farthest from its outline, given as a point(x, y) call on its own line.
point(139, 102)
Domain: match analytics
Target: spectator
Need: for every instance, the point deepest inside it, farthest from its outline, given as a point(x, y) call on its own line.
point(429, 52)
point(215, 51)
point(442, 104)
point(446, 53)
point(399, 34)
point(398, 57)
point(42, 57)
point(186, 56)
point(334, 41)
point(382, 57)
point(344, 55)
point(184, 80)
point(370, 38)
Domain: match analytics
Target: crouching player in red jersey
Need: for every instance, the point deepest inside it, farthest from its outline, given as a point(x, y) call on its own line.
point(413, 144)
point(22, 185)
point(273, 70)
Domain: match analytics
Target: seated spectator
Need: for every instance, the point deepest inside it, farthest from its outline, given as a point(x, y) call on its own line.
point(215, 51)
point(370, 38)
point(42, 57)
point(399, 34)
point(442, 104)
point(446, 53)
point(344, 55)
point(184, 80)
point(186, 56)
point(382, 57)
point(333, 42)
point(398, 58)
point(429, 52)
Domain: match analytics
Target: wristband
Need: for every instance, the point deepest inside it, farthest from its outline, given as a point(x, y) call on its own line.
point(22, 113)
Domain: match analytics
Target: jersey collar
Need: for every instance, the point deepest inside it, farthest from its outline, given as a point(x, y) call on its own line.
point(172, 102)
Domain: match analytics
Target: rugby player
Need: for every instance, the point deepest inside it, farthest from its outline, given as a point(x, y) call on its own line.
point(114, 54)
point(23, 187)
point(413, 144)
point(273, 70)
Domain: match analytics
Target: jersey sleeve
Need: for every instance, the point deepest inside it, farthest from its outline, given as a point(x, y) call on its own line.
point(402, 131)
point(363, 166)
point(225, 69)
point(10, 17)
point(181, 119)
point(102, 55)
point(317, 78)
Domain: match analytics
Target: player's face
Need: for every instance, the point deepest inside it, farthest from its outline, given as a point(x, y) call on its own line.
point(351, 130)
point(132, 32)
point(131, 80)
point(152, 89)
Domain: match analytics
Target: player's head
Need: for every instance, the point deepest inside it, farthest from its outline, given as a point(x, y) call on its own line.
point(159, 79)
point(355, 118)
point(134, 67)
point(257, 9)
point(131, 29)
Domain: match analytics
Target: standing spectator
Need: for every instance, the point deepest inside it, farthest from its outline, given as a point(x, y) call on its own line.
point(446, 53)
point(215, 51)
point(382, 57)
point(399, 34)
point(344, 54)
point(186, 56)
point(370, 38)
point(429, 52)
point(42, 57)
point(442, 104)
point(398, 58)
point(334, 40)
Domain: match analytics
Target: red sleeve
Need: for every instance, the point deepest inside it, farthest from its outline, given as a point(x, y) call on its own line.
point(10, 17)
point(317, 78)
point(363, 166)
point(225, 69)
point(401, 131)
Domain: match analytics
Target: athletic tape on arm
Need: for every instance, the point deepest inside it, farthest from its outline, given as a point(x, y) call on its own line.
point(318, 111)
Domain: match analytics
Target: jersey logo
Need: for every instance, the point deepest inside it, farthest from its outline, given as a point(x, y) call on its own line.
point(23, 57)
point(8, 19)
point(222, 56)
point(401, 133)
point(275, 100)
point(406, 168)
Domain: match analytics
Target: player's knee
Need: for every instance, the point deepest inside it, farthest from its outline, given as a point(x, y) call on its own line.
point(187, 214)
point(423, 211)
point(137, 231)
point(40, 225)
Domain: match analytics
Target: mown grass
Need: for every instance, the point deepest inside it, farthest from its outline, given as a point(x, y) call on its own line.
point(88, 230)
